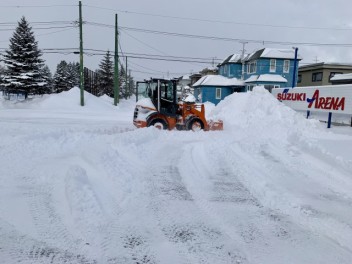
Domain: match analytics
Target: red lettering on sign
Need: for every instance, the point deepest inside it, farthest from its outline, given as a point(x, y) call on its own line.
point(327, 103)
point(291, 96)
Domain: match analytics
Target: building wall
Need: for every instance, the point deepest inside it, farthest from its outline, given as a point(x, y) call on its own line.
point(231, 70)
point(208, 93)
point(306, 76)
point(263, 67)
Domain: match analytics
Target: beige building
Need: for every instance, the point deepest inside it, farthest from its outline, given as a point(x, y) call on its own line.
point(318, 74)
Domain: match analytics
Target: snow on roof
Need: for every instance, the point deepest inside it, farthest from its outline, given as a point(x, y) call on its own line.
point(266, 78)
point(273, 53)
point(235, 58)
point(218, 80)
point(345, 76)
point(185, 77)
point(278, 53)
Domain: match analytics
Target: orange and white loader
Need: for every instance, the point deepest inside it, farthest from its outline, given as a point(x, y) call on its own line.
point(160, 108)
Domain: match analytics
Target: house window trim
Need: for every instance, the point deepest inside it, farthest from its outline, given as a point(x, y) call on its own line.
point(286, 69)
point(314, 76)
point(272, 67)
point(252, 67)
point(216, 93)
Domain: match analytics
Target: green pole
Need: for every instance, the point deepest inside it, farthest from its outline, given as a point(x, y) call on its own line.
point(81, 75)
point(116, 66)
point(127, 91)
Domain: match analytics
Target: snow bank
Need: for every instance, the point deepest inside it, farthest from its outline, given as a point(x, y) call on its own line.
point(259, 113)
point(69, 101)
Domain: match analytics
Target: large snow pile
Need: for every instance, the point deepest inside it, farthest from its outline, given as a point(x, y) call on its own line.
point(261, 115)
point(82, 185)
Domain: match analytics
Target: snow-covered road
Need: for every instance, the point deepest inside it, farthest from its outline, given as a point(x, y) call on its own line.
point(84, 186)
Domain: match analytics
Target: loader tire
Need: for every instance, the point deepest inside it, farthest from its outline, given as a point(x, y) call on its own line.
point(158, 123)
point(195, 124)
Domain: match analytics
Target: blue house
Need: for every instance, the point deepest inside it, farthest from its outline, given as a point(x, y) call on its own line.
point(272, 68)
point(214, 88)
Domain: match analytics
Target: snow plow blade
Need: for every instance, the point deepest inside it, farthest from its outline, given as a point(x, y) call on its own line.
point(215, 125)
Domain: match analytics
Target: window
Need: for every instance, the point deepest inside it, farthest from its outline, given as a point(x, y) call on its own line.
point(252, 67)
point(218, 93)
point(299, 79)
point(317, 76)
point(332, 74)
point(286, 66)
point(272, 65)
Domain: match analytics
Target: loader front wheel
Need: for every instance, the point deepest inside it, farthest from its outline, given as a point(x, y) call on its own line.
point(158, 123)
point(195, 125)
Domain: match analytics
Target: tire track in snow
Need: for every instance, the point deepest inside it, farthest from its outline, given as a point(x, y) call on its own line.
point(18, 248)
point(292, 233)
point(190, 233)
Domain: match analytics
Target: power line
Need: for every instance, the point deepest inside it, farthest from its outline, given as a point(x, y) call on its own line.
point(235, 39)
point(263, 42)
point(34, 6)
point(40, 28)
point(220, 21)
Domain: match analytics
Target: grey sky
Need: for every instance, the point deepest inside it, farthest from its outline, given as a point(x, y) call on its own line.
point(308, 21)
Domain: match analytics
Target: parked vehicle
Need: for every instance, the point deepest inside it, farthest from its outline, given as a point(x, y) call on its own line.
point(161, 108)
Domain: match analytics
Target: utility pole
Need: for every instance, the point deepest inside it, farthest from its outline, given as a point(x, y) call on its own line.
point(81, 74)
point(294, 67)
point(242, 58)
point(127, 91)
point(129, 82)
point(116, 66)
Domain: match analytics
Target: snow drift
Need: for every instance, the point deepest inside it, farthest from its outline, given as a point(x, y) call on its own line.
point(82, 185)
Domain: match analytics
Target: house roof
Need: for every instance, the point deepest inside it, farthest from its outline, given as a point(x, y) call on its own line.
point(273, 54)
point(218, 80)
point(325, 65)
point(266, 78)
point(262, 53)
point(185, 77)
point(339, 77)
point(234, 58)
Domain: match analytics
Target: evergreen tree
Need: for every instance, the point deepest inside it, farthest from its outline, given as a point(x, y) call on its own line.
point(66, 76)
point(123, 83)
point(23, 61)
point(61, 78)
point(47, 76)
point(126, 85)
point(106, 76)
point(73, 74)
point(2, 73)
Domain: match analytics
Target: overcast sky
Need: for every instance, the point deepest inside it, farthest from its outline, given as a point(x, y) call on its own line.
point(258, 22)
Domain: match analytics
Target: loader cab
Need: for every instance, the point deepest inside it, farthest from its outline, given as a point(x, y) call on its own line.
point(163, 95)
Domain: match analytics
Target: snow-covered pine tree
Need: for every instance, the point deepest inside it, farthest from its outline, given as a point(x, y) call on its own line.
point(2, 73)
point(66, 76)
point(122, 82)
point(61, 78)
point(23, 62)
point(106, 76)
point(73, 74)
point(46, 73)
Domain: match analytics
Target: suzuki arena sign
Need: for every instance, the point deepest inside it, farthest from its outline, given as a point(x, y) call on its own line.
point(331, 98)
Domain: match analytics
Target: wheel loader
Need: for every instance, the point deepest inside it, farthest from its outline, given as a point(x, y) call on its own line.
point(162, 107)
